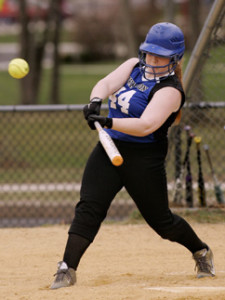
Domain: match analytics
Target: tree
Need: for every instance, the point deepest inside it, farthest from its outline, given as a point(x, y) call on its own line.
point(169, 10)
point(128, 27)
point(36, 30)
point(56, 20)
point(194, 21)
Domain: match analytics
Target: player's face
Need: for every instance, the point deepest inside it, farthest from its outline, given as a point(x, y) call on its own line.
point(157, 61)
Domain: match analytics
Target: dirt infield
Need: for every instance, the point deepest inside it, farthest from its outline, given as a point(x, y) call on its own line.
point(126, 262)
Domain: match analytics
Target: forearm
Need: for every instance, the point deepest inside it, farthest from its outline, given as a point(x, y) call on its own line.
point(100, 90)
point(153, 117)
point(134, 126)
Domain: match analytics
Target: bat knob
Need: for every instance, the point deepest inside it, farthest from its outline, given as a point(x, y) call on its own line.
point(117, 160)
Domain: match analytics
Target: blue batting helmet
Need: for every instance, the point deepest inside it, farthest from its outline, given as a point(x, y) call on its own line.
point(166, 40)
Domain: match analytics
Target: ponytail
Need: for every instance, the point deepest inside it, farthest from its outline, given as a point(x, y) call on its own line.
point(178, 72)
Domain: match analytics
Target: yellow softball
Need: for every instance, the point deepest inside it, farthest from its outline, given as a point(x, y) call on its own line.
point(197, 139)
point(18, 68)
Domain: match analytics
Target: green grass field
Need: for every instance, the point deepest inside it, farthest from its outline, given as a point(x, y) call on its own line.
point(76, 83)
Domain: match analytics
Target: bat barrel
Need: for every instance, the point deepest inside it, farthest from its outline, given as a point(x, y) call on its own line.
point(109, 146)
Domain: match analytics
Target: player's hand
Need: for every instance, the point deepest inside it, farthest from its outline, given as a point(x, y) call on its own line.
point(105, 122)
point(93, 108)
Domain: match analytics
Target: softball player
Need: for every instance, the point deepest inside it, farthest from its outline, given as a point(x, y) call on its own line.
point(145, 96)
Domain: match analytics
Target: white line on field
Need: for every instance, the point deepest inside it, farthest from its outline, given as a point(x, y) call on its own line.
point(48, 187)
point(180, 289)
point(36, 187)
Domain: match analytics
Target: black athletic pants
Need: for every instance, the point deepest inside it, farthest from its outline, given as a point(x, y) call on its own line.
point(144, 177)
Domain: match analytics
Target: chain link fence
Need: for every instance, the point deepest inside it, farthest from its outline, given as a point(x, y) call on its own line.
point(204, 115)
point(43, 153)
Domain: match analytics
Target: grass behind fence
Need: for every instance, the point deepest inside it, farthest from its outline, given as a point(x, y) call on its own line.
point(77, 81)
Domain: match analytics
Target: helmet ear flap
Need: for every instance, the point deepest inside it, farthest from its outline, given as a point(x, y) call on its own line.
point(175, 58)
point(173, 63)
point(141, 54)
point(142, 58)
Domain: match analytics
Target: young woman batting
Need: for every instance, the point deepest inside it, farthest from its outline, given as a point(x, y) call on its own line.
point(145, 96)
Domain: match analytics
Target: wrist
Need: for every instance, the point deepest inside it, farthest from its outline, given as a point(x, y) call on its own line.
point(109, 123)
point(96, 100)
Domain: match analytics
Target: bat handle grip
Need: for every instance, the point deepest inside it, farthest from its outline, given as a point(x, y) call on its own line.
point(97, 125)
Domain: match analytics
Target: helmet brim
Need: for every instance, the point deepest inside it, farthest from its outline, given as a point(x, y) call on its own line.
point(157, 50)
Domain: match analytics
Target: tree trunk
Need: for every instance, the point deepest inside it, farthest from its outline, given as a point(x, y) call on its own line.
point(33, 42)
point(26, 87)
point(56, 13)
point(169, 11)
point(128, 27)
point(194, 21)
